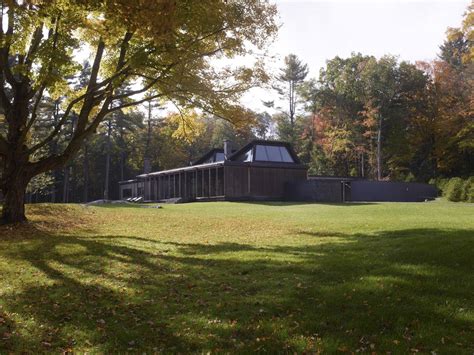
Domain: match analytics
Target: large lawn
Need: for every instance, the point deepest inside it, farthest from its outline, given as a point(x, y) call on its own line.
point(240, 277)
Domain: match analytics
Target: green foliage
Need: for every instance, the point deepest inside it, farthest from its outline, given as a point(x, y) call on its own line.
point(453, 190)
point(358, 99)
point(440, 183)
point(418, 115)
point(410, 178)
point(139, 50)
point(41, 184)
point(467, 194)
point(289, 84)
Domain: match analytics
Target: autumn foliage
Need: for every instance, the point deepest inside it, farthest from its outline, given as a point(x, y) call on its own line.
point(386, 119)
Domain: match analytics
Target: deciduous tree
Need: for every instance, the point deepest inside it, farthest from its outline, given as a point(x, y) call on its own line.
point(163, 46)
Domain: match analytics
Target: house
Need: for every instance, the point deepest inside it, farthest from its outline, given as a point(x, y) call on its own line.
point(258, 171)
point(263, 170)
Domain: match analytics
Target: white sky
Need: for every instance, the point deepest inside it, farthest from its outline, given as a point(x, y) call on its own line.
point(317, 30)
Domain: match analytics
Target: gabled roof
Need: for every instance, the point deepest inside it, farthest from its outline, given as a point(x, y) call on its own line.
point(210, 154)
point(257, 142)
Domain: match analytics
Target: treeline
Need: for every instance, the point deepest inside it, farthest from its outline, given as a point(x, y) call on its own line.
point(367, 117)
point(386, 119)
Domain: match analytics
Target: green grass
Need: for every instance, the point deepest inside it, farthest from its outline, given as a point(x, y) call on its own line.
point(240, 277)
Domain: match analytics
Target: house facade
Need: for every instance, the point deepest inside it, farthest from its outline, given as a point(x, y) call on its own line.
point(263, 171)
point(260, 170)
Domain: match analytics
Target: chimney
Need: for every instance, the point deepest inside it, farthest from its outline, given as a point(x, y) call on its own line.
point(227, 148)
point(146, 166)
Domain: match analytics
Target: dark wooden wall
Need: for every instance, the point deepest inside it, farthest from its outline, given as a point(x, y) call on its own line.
point(392, 191)
point(232, 181)
point(259, 182)
point(316, 190)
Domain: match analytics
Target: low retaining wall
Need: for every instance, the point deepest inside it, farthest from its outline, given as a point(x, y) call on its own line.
point(339, 190)
point(380, 191)
point(314, 190)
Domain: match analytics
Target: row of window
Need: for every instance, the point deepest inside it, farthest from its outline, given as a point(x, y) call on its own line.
point(215, 158)
point(267, 153)
point(262, 153)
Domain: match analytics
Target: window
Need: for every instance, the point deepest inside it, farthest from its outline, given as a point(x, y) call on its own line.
point(126, 193)
point(219, 157)
point(261, 153)
point(285, 155)
point(246, 156)
point(273, 153)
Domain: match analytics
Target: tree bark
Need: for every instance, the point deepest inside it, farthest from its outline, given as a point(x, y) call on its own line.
point(66, 185)
point(13, 210)
point(86, 173)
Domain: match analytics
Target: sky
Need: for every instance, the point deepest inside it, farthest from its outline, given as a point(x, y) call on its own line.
point(317, 30)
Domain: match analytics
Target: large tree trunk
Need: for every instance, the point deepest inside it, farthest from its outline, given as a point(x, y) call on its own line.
point(14, 201)
point(66, 185)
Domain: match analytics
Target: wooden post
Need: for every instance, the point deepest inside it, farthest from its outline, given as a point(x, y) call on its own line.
point(343, 192)
point(248, 180)
point(185, 185)
point(217, 181)
point(158, 185)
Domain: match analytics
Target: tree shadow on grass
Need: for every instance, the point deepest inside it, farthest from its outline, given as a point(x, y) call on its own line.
point(403, 291)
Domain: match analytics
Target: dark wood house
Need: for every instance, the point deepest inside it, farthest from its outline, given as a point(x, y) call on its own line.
point(258, 171)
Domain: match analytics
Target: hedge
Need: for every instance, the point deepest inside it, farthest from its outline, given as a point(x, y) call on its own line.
point(456, 189)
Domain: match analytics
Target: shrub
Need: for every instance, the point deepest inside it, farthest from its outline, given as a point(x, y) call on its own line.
point(440, 184)
point(453, 190)
point(410, 178)
point(468, 190)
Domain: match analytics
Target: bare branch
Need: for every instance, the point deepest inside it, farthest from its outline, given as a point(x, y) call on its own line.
point(58, 126)
point(3, 146)
point(136, 92)
point(34, 110)
point(89, 99)
point(5, 50)
point(34, 45)
point(134, 103)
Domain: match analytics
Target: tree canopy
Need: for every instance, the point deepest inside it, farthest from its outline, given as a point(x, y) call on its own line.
point(160, 47)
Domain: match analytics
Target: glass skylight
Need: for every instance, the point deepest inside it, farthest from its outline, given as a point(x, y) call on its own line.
point(272, 153)
point(219, 156)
